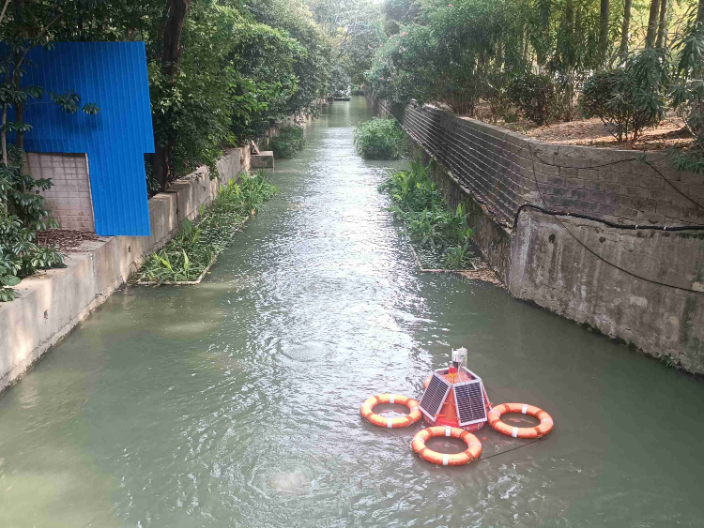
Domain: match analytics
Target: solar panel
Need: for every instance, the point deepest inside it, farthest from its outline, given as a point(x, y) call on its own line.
point(434, 396)
point(469, 401)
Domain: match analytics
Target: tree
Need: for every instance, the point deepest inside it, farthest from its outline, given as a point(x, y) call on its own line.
point(625, 28)
point(604, 31)
point(652, 23)
point(163, 150)
point(662, 25)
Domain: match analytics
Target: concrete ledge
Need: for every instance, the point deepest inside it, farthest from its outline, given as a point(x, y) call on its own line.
point(50, 305)
point(264, 160)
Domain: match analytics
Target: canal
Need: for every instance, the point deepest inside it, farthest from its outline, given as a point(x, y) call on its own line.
point(236, 403)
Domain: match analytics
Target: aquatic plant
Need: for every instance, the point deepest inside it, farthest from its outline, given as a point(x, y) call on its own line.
point(431, 225)
point(197, 245)
point(381, 139)
point(289, 141)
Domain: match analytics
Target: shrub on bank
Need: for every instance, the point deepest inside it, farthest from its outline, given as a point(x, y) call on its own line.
point(381, 139)
point(196, 246)
point(631, 98)
point(539, 97)
point(289, 141)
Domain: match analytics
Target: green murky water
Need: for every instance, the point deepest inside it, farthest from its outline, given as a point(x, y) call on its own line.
point(236, 403)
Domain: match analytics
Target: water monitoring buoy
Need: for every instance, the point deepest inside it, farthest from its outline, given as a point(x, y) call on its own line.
point(474, 446)
point(392, 423)
point(543, 428)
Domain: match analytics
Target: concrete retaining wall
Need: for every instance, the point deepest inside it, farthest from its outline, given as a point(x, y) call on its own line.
point(51, 304)
point(656, 304)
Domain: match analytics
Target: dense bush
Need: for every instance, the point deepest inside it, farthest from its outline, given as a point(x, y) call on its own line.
point(287, 142)
point(538, 97)
point(381, 139)
point(632, 98)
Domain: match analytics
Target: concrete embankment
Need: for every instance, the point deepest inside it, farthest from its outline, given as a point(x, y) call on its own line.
point(643, 286)
point(51, 304)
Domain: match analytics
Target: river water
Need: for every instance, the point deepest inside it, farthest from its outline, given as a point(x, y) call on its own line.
point(235, 403)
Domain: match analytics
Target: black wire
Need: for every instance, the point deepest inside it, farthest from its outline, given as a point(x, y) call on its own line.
point(641, 159)
point(610, 224)
point(590, 250)
point(520, 209)
point(509, 450)
point(631, 227)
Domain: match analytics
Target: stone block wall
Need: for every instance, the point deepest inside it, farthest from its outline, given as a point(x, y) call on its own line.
point(645, 287)
point(504, 170)
point(69, 199)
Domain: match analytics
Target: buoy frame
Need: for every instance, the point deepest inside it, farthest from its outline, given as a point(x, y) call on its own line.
point(367, 411)
point(543, 428)
point(473, 451)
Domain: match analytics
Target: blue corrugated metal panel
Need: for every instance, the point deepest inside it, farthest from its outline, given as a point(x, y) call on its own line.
point(114, 76)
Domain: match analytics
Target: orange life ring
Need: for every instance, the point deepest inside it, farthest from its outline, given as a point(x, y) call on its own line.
point(474, 446)
point(392, 423)
point(540, 430)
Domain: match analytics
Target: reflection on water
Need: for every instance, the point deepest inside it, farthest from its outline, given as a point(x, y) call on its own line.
point(236, 403)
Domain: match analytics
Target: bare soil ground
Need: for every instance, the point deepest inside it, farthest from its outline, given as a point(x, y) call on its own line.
point(593, 133)
point(67, 240)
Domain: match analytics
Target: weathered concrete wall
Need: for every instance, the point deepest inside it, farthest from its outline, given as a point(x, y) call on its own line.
point(51, 304)
point(69, 199)
point(550, 267)
point(503, 170)
point(550, 260)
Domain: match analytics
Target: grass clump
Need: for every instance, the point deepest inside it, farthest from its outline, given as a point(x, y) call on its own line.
point(381, 139)
point(289, 141)
point(197, 245)
point(440, 235)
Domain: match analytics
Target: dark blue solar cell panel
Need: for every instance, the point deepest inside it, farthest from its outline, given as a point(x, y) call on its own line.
point(434, 396)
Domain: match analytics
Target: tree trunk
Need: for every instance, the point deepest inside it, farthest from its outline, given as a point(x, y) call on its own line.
point(173, 28)
point(625, 28)
point(652, 23)
point(172, 34)
point(526, 45)
point(662, 26)
point(604, 30)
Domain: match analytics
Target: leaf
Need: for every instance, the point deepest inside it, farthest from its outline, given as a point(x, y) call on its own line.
point(10, 280)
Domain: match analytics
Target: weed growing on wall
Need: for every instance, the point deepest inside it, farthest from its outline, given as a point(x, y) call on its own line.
point(289, 141)
point(196, 246)
point(437, 232)
point(381, 139)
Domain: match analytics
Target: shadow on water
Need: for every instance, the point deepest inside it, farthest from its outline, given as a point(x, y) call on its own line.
point(236, 403)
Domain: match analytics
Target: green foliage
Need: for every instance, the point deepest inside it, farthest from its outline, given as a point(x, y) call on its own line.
point(22, 216)
point(196, 246)
point(632, 98)
point(381, 139)
point(538, 96)
point(288, 141)
point(354, 27)
point(430, 224)
point(312, 69)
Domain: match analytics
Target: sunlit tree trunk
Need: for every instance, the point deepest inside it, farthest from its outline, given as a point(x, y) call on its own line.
point(625, 28)
point(652, 23)
point(662, 26)
point(604, 30)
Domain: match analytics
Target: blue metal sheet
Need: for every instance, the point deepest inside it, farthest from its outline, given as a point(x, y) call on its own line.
point(114, 76)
